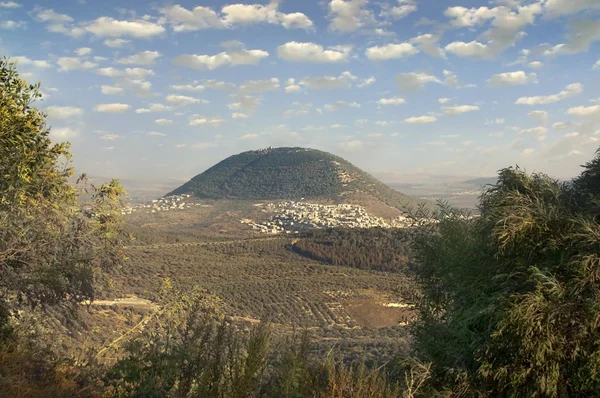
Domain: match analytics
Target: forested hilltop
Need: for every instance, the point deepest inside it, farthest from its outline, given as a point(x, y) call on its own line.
point(508, 303)
point(288, 173)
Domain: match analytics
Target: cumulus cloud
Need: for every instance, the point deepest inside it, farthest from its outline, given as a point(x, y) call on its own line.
point(569, 91)
point(235, 56)
point(187, 87)
point(444, 100)
point(247, 103)
point(71, 63)
point(540, 116)
point(83, 51)
point(238, 115)
point(9, 4)
point(391, 101)
point(63, 133)
point(63, 112)
point(310, 52)
point(512, 79)
point(25, 61)
point(390, 51)
point(116, 43)
point(292, 87)
point(181, 99)
point(249, 136)
point(198, 120)
point(112, 108)
point(404, 9)
point(110, 27)
point(420, 120)
point(142, 58)
point(366, 82)
point(329, 82)
point(233, 15)
point(111, 90)
point(585, 111)
point(341, 105)
point(134, 73)
point(428, 43)
point(556, 8)
point(414, 81)
point(473, 49)
point(458, 109)
point(154, 108)
point(350, 15)
point(259, 86)
point(109, 137)
point(155, 134)
point(163, 122)
point(353, 145)
point(11, 25)
point(534, 130)
point(536, 65)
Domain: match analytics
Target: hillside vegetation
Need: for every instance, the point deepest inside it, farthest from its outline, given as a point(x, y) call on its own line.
point(288, 173)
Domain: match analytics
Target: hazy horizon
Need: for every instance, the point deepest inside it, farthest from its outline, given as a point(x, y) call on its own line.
point(400, 88)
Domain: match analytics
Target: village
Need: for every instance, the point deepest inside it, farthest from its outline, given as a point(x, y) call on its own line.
point(293, 217)
point(167, 203)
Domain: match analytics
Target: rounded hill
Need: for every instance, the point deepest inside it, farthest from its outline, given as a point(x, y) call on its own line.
point(290, 174)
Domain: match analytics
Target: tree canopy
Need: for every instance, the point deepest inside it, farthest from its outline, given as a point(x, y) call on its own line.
point(54, 236)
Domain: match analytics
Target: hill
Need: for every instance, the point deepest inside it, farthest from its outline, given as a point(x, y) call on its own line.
point(291, 174)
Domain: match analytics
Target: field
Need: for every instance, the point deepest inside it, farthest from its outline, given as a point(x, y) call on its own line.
point(253, 278)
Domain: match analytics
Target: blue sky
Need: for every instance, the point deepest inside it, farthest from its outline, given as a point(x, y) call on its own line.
point(400, 88)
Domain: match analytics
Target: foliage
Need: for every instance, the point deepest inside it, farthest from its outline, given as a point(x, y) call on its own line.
point(287, 173)
point(511, 299)
point(369, 248)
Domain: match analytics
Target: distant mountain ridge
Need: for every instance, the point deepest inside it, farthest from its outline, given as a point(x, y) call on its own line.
point(289, 174)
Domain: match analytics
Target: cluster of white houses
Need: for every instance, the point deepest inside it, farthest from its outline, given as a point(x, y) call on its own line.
point(292, 217)
point(167, 203)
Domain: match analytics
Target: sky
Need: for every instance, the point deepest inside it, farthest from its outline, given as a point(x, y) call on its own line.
point(166, 89)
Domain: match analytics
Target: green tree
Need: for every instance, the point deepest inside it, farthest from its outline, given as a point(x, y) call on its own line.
point(511, 299)
point(54, 237)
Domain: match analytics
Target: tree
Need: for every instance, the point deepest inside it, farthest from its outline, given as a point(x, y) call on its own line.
point(511, 299)
point(54, 237)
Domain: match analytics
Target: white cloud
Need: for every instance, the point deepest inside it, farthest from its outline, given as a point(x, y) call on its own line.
point(249, 136)
point(71, 63)
point(155, 134)
point(9, 4)
point(63, 133)
point(187, 87)
point(458, 109)
point(512, 79)
point(142, 58)
point(498, 134)
point(237, 56)
point(63, 112)
point(329, 82)
point(116, 43)
point(420, 120)
point(294, 51)
point(596, 65)
point(110, 27)
point(534, 130)
point(109, 137)
point(154, 108)
point(259, 86)
point(247, 103)
point(83, 51)
point(341, 105)
point(238, 115)
point(540, 116)
point(163, 122)
point(473, 49)
point(536, 65)
point(292, 87)
point(366, 82)
point(557, 8)
point(134, 73)
point(24, 61)
point(181, 99)
point(402, 10)
point(350, 15)
point(428, 43)
point(232, 15)
point(444, 100)
point(198, 120)
point(414, 81)
point(561, 125)
point(585, 111)
point(49, 15)
point(528, 151)
point(391, 101)
point(112, 108)
point(11, 25)
point(569, 91)
point(390, 51)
